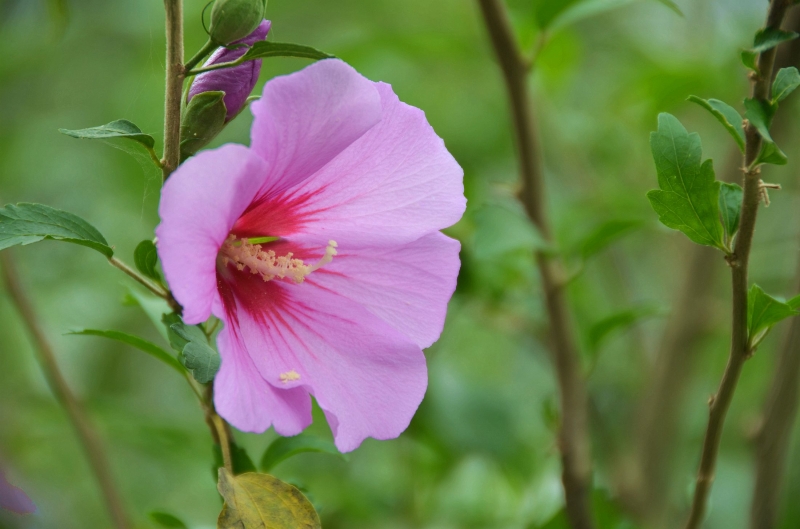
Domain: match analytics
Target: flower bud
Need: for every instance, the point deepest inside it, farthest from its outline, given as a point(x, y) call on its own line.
point(236, 82)
point(235, 19)
point(202, 120)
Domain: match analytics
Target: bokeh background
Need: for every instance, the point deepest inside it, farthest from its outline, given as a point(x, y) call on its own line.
point(480, 452)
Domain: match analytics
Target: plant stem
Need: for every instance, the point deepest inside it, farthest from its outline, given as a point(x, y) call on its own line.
point(573, 437)
point(174, 87)
point(738, 261)
point(149, 285)
point(89, 439)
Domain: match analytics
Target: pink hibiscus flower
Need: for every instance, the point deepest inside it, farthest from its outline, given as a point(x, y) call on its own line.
point(318, 247)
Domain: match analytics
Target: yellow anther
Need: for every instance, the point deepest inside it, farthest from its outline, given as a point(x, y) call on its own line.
point(290, 376)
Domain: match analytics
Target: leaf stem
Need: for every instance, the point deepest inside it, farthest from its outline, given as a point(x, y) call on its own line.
point(201, 54)
point(174, 87)
point(158, 290)
point(224, 441)
point(90, 442)
point(739, 261)
point(573, 436)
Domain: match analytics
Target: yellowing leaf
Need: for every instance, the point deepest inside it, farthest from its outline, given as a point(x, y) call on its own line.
point(261, 501)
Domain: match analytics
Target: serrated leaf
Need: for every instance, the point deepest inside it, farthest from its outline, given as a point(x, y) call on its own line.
point(749, 58)
point(606, 234)
point(725, 114)
point(165, 519)
point(689, 196)
point(261, 501)
point(787, 80)
point(764, 311)
point(139, 343)
point(121, 128)
point(26, 223)
point(196, 355)
point(730, 207)
point(768, 38)
point(145, 257)
point(265, 49)
point(283, 448)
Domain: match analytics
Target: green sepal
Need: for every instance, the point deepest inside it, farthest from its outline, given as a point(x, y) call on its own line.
point(203, 118)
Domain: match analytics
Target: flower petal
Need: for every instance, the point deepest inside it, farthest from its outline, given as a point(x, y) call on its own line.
point(247, 401)
point(13, 498)
point(406, 286)
point(200, 203)
point(363, 372)
point(305, 119)
point(393, 185)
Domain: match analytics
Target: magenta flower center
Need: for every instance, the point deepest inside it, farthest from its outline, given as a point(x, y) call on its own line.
point(245, 255)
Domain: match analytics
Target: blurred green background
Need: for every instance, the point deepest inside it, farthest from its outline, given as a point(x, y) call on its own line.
point(481, 451)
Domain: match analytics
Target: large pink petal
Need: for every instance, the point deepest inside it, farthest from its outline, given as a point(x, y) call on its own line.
point(305, 119)
point(13, 498)
point(406, 286)
point(247, 401)
point(393, 185)
point(367, 376)
point(200, 203)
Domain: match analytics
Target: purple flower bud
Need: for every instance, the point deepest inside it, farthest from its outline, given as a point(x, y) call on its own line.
point(236, 82)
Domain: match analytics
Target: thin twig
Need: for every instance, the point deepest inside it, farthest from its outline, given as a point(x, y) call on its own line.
point(573, 437)
point(201, 54)
point(739, 261)
point(174, 87)
point(90, 442)
point(156, 289)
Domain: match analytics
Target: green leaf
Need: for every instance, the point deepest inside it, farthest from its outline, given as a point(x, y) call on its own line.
point(689, 196)
point(787, 80)
point(139, 343)
point(760, 114)
point(121, 128)
point(265, 49)
point(772, 154)
point(764, 311)
point(671, 5)
point(239, 458)
point(768, 38)
point(725, 114)
point(196, 355)
point(794, 302)
point(164, 519)
point(254, 501)
point(283, 448)
point(749, 58)
point(154, 307)
point(618, 321)
point(606, 234)
point(145, 258)
point(730, 207)
point(28, 223)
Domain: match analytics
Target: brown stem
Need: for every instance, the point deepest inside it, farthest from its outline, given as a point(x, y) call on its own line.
point(89, 439)
point(573, 434)
point(739, 261)
point(174, 87)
